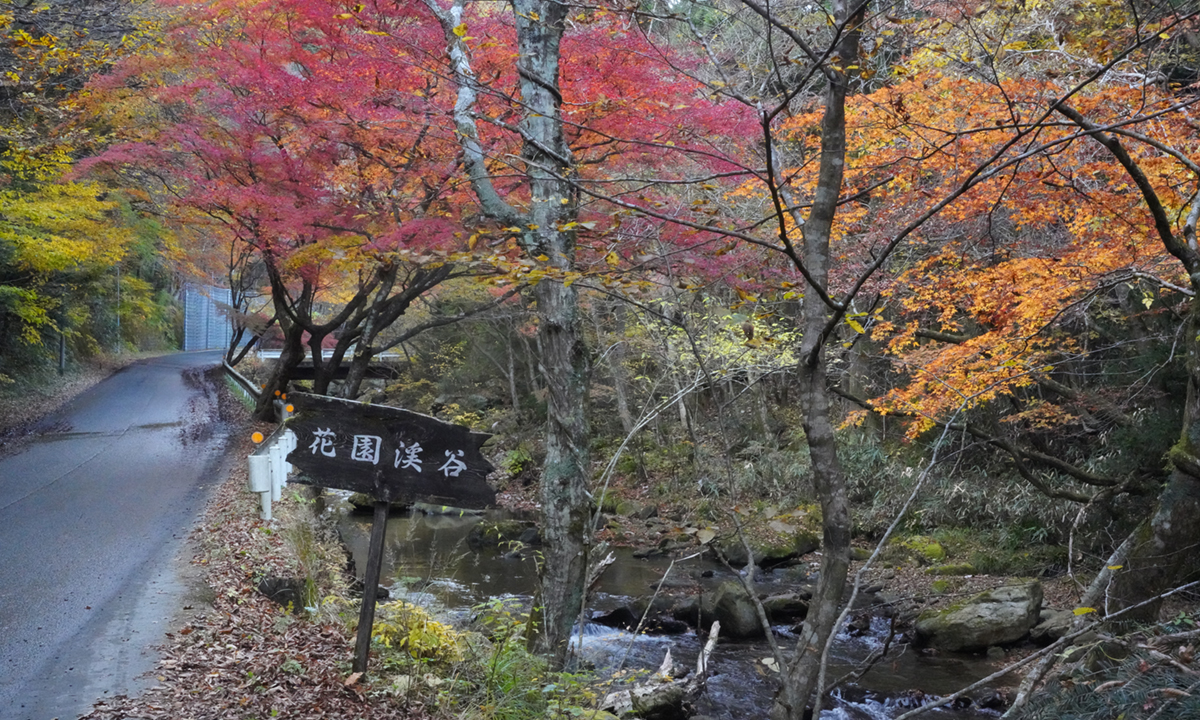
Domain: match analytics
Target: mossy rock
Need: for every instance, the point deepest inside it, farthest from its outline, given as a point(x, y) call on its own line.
point(918, 548)
point(769, 552)
point(607, 502)
point(448, 510)
point(941, 587)
point(502, 532)
point(628, 508)
point(731, 605)
point(364, 504)
point(951, 569)
point(571, 713)
point(1000, 616)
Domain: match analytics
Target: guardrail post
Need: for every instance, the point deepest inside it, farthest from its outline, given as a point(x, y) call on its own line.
point(289, 444)
point(278, 474)
point(260, 482)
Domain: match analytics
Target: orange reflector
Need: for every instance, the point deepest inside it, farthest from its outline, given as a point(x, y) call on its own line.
point(276, 393)
point(283, 396)
point(257, 437)
point(291, 409)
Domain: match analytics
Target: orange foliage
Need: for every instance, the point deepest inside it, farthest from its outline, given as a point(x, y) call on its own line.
point(1048, 218)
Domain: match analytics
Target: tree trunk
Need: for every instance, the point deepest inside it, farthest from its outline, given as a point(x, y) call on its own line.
point(800, 677)
point(363, 349)
point(545, 234)
point(540, 26)
point(290, 357)
point(620, 372)
point(1165, 554)
point(565, 471)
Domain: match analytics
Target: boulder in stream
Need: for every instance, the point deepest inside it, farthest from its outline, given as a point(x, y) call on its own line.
point(788, 607)
point(732, 606)
point(448, 510)
point(1001, 616)
point(768, 554)
point(504, 533)
point(364, 504)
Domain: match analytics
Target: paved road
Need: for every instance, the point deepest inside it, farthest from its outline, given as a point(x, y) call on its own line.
point(93, 512)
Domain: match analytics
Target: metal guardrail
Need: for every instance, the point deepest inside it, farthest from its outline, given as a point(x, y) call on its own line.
point(268, 467)
point(248, 387)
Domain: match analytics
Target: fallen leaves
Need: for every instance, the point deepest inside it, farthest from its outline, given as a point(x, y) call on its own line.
point(245, 656)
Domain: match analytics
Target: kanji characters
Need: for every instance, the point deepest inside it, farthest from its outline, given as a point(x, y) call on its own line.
point(411, 457)
point(454, 464)
point(323, 442)
point(366, 448)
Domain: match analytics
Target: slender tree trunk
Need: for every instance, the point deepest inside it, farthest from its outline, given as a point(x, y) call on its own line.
point(799, 682)
point(363, 349)
point(616, 364)
point(565, 472)
point(514, 396)
point(545, 235)
point(799, 687)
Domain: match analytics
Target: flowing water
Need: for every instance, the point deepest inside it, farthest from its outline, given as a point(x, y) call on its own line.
point(427, 556)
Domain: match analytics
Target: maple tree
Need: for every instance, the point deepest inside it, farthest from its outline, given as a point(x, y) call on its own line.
point(304, 144)
point(1096, 211)
point(356, 148)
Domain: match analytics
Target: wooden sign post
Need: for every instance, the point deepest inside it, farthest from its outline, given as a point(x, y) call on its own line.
point(392, 455)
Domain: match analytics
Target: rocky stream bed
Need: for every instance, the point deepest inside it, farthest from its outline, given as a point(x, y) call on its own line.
point(649, 602)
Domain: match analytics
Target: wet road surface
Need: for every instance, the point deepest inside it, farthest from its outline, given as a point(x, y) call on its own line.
point(94, 509)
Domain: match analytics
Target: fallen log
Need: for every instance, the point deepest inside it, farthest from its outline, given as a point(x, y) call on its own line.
point(664, 697)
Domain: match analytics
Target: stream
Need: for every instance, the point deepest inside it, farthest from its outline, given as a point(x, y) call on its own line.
point(427, 560)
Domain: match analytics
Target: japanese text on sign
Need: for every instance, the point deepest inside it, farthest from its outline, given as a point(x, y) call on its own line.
point(367, 449)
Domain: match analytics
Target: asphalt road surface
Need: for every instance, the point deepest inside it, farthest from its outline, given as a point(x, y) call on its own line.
point(95, 507)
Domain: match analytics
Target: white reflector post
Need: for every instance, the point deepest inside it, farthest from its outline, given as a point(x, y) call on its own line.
point(260, 473)
point(260, 481)
point(289, 444)
point(276, 456)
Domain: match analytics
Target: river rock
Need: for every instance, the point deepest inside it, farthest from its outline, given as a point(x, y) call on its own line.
point(623, 618)
point(768, 554)
point(997, 617)
point(919, 549)
point(430, 509)
point(1052, 624)
point(732, 606)
point(503, 532)
point(629, 508)
point(786, 608)
point(363, 504)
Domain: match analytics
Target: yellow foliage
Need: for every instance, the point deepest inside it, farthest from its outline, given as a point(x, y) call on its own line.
point(410, 628)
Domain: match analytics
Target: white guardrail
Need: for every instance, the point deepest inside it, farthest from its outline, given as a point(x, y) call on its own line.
point(269, 469)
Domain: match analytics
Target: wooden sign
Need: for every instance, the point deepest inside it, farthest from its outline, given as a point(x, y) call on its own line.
point(388, 453)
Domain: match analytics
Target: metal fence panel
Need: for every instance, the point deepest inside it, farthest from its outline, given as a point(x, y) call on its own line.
point(205, 327)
